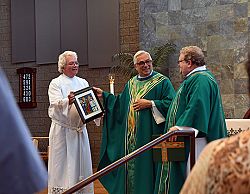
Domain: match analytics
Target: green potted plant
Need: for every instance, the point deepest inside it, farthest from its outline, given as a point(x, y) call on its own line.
point(123, 62)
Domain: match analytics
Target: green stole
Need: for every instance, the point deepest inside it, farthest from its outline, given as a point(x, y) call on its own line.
point(137, 90)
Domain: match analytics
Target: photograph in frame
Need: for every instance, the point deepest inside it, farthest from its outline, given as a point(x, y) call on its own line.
point(88, 104)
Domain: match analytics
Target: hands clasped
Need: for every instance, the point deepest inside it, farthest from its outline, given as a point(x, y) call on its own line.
point(141, 104)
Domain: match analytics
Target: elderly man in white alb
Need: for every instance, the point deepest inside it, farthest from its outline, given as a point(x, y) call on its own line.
point(69, 154)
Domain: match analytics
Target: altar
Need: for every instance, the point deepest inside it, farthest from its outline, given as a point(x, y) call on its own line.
point(235, 126)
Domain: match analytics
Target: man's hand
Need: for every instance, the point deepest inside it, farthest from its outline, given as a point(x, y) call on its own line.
point(71, 98)
point(141, 104)
point(99, 91)
point(173, 138)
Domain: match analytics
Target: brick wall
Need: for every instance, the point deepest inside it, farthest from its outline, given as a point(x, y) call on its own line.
point(129, 25)
point(129, 37)
point(37, 118)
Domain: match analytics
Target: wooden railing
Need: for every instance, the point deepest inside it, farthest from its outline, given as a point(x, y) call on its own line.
point(132, 155)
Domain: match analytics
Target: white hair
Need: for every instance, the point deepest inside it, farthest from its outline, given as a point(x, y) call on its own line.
point(62, 59)
point(139, 53)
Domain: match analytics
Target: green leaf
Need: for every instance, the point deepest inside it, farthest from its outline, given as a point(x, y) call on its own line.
point(123, 62)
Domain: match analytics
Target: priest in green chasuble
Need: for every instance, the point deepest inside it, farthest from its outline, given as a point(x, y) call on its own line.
point(131, 119)
point(197, 106)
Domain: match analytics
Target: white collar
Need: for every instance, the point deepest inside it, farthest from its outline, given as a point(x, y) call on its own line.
point(201, 68)
point(146, 76)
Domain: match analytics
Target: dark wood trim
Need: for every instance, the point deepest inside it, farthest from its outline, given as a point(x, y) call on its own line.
point(31, 72)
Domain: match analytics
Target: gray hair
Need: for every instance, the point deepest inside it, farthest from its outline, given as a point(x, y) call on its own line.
point(193, 53)
point(62, 59)
point(139, 53)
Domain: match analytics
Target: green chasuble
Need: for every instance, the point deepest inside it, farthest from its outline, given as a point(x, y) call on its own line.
point(125, 130)
point(197, 104)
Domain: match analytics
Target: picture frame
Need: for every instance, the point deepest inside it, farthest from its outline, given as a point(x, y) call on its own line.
point(88, 104)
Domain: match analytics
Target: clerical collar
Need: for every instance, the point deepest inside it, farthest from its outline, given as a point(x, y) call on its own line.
point(201, 68)
point(140, 78)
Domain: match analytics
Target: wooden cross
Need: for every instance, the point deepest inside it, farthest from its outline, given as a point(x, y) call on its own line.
point(164, 148)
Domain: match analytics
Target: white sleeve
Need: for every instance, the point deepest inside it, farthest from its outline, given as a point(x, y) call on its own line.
point(59, 106)
point(188, 128)
point(159, 118)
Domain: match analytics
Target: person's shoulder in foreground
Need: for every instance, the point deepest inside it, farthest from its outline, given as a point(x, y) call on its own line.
point(223, 167)
point(22, 170)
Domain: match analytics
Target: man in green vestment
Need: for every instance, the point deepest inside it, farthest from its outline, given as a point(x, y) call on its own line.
point(131, 119)
point(197, 106)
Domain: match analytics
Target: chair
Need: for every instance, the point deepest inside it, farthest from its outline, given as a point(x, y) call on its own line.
point(42, 145)
point(35, 142)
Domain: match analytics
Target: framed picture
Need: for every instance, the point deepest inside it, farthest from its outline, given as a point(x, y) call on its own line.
point(87, 104)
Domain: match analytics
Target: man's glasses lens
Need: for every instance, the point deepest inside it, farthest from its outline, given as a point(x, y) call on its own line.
point(148, 62)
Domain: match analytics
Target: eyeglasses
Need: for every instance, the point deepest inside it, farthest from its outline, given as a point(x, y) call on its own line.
point(180, 61)
point(148, 62)
point(73, 63)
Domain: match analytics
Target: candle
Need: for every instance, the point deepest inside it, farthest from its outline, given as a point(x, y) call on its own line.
point(111, 84)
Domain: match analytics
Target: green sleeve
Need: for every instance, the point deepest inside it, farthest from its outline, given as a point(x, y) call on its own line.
point(167, 93)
